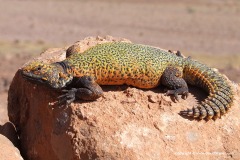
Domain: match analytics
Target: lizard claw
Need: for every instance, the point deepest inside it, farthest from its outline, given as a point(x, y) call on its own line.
point(168, 92)
point(172, 92)
point(176, 97)
point(175, 93)
point(185, 95)
point(68, 96)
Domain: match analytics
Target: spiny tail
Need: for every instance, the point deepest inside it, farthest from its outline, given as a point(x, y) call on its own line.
point(220, 92)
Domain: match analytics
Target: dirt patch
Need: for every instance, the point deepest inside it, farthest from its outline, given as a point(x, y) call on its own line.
point(190, 26)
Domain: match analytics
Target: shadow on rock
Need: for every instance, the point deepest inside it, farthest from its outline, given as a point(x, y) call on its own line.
point(8, 130)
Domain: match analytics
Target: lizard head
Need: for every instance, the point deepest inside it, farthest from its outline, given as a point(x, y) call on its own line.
point(53, 74)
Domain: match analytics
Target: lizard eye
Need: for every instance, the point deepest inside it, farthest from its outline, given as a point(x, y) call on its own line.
point(39, 68)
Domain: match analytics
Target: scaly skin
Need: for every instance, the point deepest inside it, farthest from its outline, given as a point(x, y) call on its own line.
point(118, 63)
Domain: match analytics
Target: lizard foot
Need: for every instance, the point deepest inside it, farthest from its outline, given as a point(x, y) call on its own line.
point(180, 91)
point(68, 96)
point(172, 78)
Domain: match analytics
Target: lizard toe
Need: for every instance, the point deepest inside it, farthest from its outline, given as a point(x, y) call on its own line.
point(185, 95)
point(68, 96)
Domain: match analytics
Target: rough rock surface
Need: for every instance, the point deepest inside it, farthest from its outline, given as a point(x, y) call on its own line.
point(127, 123)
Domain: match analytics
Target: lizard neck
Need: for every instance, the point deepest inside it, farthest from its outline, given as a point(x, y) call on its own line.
point(64, 72)
point(63, 67)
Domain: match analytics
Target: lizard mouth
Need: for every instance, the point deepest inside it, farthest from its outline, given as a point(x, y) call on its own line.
point(33, 77)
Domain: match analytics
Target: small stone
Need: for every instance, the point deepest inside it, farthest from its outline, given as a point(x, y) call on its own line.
point(164, 102)
point(152, 99)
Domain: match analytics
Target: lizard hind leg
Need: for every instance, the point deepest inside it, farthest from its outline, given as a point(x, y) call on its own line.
point(172, 79)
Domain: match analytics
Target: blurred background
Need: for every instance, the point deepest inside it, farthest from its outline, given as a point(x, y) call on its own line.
point(206, 30)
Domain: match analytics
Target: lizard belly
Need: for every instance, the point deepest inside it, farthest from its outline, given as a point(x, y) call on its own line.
point(138, 78)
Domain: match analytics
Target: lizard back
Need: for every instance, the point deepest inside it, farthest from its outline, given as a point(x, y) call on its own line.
point(123, 63)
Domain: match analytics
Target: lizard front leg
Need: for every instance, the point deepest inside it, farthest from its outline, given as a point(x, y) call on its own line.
point(84, 88)
point(172, 79)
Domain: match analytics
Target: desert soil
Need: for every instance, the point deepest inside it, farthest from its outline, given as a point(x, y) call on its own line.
point(207, 30)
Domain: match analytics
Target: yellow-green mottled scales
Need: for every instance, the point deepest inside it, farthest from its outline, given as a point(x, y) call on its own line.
point(123, 63)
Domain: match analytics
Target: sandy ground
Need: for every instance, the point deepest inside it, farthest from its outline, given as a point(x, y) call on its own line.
point(205, 29)
point(206, 26)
